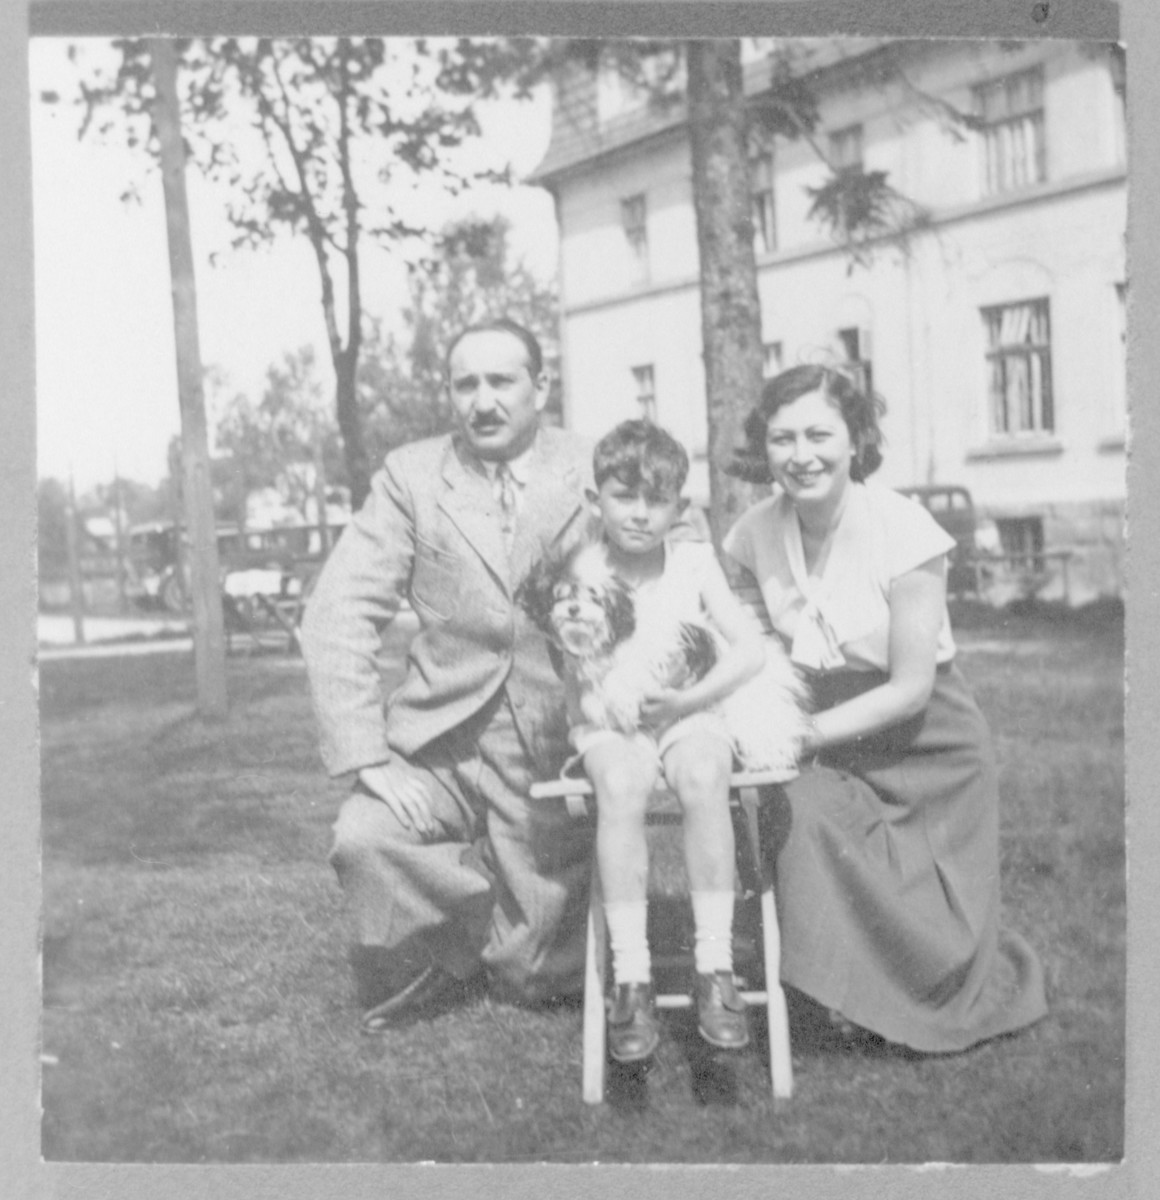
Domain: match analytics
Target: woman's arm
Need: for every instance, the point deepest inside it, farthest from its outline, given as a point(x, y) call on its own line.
point(917, 603)
point(743, 584)
point(743, 657)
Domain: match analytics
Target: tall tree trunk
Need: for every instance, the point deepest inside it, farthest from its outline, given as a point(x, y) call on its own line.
point(320, 493)
point(344, 357)
point(358, 461)
point(349, 418)
point(208, 625)
point(76, 578)
point(730, 309)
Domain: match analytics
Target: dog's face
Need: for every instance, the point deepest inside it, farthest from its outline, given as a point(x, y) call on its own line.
point(579, 603)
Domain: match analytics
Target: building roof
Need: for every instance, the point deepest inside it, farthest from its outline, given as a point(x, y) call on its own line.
point(578, 137)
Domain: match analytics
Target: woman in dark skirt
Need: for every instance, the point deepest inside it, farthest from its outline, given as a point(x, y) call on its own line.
point(887, 854)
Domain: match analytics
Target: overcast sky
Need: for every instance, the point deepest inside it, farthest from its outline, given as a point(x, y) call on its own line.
point(106, 377)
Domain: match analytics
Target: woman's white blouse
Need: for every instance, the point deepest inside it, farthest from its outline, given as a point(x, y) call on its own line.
point(839, 617)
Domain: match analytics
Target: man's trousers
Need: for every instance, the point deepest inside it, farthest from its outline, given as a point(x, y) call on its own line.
point(503, 884)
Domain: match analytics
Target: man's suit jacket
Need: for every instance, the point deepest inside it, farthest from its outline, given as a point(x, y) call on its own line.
point(430, 532)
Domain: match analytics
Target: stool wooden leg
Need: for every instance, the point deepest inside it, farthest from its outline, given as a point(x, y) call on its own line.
point(780, 1061)
point(757, 876)
point(596, 956)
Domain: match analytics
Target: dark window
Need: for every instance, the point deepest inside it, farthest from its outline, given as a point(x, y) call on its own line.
point(1014, 149)
point(771, 359)
point(764, 208)
point(1022, 537)
point(846, 148)
point(1019, 361)
point(634, 218)
point(646, 392)
point(855, 344)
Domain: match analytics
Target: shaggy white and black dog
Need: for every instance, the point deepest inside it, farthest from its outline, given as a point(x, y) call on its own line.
point(613, 655)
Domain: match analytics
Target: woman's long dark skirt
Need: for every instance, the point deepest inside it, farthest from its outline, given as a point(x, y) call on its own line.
point(887, 857)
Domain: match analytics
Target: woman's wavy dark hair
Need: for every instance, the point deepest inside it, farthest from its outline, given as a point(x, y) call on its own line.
point(860, 410)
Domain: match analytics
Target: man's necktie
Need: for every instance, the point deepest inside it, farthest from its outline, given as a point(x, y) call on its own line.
point(506, 493)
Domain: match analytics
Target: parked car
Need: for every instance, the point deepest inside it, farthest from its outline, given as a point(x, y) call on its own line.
point(952, 507)
point(152, 579)
point(158, 554)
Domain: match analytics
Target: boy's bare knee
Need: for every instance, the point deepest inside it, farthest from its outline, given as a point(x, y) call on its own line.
point(622, 786)
point(699, 779)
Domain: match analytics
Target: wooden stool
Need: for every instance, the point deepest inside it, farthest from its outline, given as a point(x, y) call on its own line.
point(747, 790)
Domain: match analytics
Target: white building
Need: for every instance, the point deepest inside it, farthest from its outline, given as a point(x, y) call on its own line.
point(998, 341)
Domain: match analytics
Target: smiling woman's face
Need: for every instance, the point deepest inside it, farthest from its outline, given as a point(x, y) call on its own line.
point(810, 449)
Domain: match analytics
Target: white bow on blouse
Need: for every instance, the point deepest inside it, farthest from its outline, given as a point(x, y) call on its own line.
point(815, 641)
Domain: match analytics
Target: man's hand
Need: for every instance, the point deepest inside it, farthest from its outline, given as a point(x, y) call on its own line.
point(398, 786)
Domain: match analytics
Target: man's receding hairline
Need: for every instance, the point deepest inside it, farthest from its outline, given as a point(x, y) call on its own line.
point(508, 333)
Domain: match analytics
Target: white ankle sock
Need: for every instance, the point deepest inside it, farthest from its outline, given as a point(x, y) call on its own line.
point(713, 923)
point(627, 922)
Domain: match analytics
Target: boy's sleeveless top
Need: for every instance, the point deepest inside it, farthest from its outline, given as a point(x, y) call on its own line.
point(677, 592)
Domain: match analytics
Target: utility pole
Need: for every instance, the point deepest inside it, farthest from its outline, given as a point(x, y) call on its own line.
point(208, 625)
point(119, 534)
point(76, 579)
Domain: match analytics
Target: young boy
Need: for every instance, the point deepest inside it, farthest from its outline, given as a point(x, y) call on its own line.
point(639, 473)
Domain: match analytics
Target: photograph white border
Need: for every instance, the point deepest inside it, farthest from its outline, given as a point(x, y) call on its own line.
point(22, 1174)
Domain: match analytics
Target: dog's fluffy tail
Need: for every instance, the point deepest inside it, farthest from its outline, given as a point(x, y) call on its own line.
point(768, 716)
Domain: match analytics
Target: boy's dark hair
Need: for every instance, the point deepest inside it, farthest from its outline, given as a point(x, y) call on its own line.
point(502, 325)
point(639, 453)
point(862, 412)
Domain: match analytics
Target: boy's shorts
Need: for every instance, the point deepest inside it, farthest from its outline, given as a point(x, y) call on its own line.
point(584, 737)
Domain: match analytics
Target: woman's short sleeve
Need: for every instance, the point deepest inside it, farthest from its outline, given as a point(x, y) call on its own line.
point(738, 543)
point(915, 536)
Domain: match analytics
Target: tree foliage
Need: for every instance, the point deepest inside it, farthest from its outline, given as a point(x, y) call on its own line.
point(337, 140)
point(135, 502)
point(281, 442)
point(343, 140)
point(472, 275)
point(860, 209)
point(863, 210)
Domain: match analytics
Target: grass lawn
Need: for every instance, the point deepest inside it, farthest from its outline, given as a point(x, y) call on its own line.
point(198, 1006)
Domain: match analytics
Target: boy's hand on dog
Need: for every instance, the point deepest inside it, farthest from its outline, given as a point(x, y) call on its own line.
point(398, 787)
point(662, 708)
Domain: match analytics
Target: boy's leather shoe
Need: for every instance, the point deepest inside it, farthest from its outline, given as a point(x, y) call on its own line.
point(721, 1011)
point(633, 1028)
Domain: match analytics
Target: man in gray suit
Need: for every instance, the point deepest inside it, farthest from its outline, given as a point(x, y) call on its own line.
point(445, 863)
